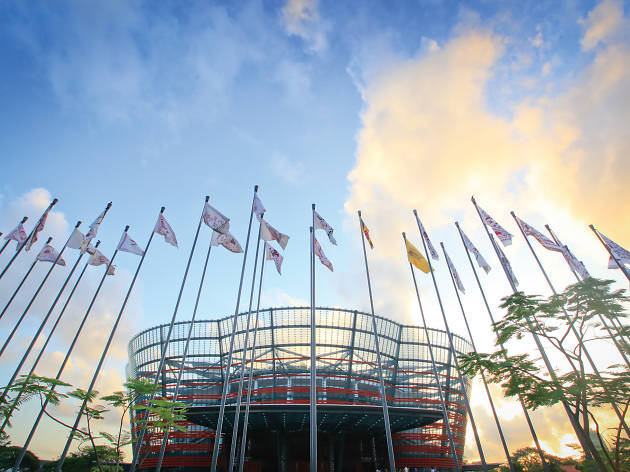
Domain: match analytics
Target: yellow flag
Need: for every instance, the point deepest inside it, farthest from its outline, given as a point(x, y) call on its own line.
point(417, 259)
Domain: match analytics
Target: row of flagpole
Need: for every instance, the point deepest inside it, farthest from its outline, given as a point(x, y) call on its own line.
point(220, 226)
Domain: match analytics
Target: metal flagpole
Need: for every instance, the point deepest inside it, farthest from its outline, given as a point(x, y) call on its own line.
point(251, 366)
point(21, 246)
point(239, 396)
point(8, 240)
point(584, 441)
point(623, 268)
point(158, 372)
point(6, 307)
point(530, 424)
point(107, 345)
point(15, 328)
point(41, 351)
point(452, 347)
point(601, 318)
point(573, 330)
point(158, 467)
point(313, 386)
point(483, 377)
point(65, 360)
point(226, 379)
point(388, 431)
point(434, 369)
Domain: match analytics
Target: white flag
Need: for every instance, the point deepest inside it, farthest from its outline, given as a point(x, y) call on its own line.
point(322, 257)
point(273, 254)
point(574, 263)
point(215, 219)
point(454, 273)
point(164, 229)
point(76, 240)
point(507, 265)
point(98, 258)
point(320, 223)
point(96, 224)
point(502, 234)
point(18, 234)
point(541, 238)
point(49, 254)
point(259, 209)
point(622, 254)
point(425, 236)
point(129, 245)
point(40, 226)
point(226, 240)
point(471, 247)
point(269, 233)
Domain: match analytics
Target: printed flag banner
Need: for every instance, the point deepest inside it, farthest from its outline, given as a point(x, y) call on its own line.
point(320, 223)
point(164, 229)
point(76, 240)
point(417, 259)
point(507, 264)
point(322, 257)
point(273, 254)
point(471, 247)
point(18, 234)
point(259, 209)
point(425, 236)
point(622, 254)
point(575, 264)
point(129, 245)
point(49, 254)
point(98, 258)
point(215, 219)
point(541, 238)
point(454, 273)
point(269, 233)
point(366, 231)
point(502, 234)
point(40, 227)
point(96, 224)
point(226, 240)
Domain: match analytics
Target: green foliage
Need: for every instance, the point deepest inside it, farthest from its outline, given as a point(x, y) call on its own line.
point(527, 460)
point(85, 460)
point(8, 454)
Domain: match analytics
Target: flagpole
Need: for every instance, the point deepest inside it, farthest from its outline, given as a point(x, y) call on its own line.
point(104, 354)
point(617, 261)
point(388, 431)
point(226, 379)
point(237, 410)
point(483, 377)
point(452, 347)
point(17, 325)
point(576, 427)
point(573, 330)
point(43, 348)
point(158, 372)
point(21, 283)
point(65, 360)
point(8, 240)
point(251, 366)
point(158, 467)
point(530, 424)
point(434, 369)
point(313, 385)
point(21, 246)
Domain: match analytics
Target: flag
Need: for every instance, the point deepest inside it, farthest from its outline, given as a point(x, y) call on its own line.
point(98, 258)
point(320, 223)
point(226, 240)
point(454, 273)
point(622, 254)
point(49, 254)
point(502, 234)
point(425, 236)
point(215, 219)
point(259, 209)
point(322, 257)
point(40, 226)
point(77, 240)
point(96, 224)
point(417, 259)
point(129, 245)
point(164, 229)
point(471, 247)
point(574, 263)
point(273, 254)
point(541, 238)
point(18, 234)
point(269, 233)
point(507, 265)
point(366, 231)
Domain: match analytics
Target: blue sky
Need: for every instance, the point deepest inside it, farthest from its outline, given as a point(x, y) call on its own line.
point(383, 106)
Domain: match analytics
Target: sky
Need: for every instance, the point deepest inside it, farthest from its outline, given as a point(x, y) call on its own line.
point(378, 106)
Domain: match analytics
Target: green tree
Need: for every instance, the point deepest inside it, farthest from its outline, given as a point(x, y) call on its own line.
point(8, 454)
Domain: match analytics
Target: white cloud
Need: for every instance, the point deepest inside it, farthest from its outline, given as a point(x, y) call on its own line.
point(603, 23)
point(301, 18)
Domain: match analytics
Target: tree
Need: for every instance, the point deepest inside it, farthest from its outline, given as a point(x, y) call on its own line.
point(576, 310)
point(8, 454)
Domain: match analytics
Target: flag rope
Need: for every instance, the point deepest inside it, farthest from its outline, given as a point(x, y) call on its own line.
point(6, 307)
point(313, 360)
